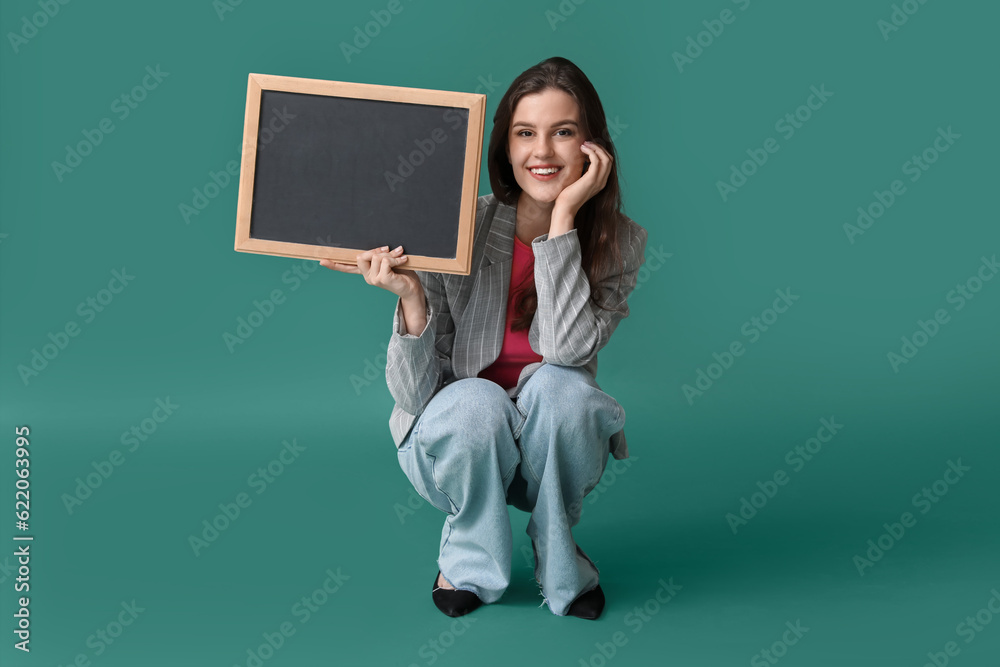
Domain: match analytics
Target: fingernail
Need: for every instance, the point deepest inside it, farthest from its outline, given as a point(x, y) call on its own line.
point(399, 247)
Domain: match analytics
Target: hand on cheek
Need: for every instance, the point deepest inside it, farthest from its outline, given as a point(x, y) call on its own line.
point(590, 182)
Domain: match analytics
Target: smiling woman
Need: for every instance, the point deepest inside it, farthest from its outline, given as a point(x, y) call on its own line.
point(493, 373)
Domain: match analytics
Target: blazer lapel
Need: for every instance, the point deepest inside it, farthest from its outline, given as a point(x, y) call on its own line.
point(479, 339)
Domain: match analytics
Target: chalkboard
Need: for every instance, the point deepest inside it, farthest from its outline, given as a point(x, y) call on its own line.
point(331, 169)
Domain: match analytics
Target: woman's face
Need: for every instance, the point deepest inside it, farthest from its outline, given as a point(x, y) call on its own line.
point(543, 144)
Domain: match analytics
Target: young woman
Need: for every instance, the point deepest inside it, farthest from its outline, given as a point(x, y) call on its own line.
point(493, 373)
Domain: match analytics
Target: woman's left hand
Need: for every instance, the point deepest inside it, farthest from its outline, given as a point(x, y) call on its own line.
point(593, 181)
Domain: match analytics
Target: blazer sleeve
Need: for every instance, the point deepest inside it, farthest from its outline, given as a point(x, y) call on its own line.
point(571, 328)
point(416, 366)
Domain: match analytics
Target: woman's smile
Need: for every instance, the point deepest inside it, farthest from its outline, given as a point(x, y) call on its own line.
point(544, 172)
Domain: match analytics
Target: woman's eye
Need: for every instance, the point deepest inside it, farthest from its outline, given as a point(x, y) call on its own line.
point(568, 133)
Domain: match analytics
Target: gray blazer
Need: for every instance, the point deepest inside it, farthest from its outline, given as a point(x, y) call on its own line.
point(466, 315)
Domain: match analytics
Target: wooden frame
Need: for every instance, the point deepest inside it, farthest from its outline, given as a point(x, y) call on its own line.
point(474, 103)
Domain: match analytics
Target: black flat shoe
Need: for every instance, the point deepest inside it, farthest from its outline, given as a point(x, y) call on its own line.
point(455, 602)
point(589, 605)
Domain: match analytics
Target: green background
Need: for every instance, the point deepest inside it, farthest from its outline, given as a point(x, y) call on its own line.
point(343, 503)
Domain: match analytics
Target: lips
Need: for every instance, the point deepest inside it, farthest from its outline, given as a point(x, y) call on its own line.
point(544, 172)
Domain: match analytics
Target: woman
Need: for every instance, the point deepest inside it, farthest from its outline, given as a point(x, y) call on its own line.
point(493, 373)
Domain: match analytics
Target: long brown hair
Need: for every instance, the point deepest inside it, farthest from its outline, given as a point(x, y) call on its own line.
point(599, 219)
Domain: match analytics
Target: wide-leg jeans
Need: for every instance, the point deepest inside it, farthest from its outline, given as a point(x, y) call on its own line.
point(474, 450)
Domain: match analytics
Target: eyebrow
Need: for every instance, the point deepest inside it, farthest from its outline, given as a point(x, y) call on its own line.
point(562, 122)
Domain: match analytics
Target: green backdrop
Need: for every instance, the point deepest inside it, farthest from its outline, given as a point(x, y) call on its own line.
point(816, 486)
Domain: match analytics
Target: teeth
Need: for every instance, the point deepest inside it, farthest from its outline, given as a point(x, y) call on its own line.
point(543, 172)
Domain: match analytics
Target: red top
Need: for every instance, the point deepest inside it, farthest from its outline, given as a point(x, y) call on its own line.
point(516, 352)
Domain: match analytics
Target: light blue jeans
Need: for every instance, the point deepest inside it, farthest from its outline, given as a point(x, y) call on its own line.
point(474, 450)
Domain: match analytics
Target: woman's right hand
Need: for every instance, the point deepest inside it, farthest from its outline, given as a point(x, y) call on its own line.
point(379, 268)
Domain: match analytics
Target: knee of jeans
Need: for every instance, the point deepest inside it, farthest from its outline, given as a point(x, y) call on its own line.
point(472, 395)
point(570, 385)
point(472, 414)
point(573, 402)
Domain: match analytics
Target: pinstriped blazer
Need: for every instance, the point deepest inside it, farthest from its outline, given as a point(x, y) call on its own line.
point(466, 315)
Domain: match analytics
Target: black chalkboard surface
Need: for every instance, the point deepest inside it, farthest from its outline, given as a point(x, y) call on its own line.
point(331, 169)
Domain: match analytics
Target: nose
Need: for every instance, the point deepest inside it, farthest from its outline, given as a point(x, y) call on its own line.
point(543, 147)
